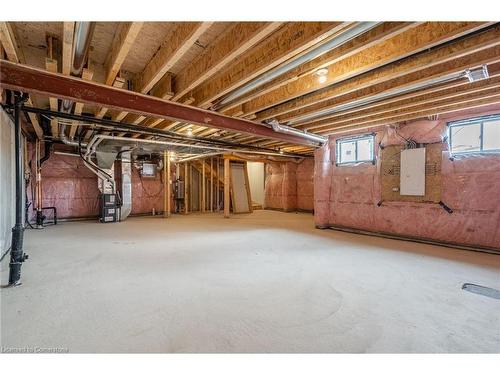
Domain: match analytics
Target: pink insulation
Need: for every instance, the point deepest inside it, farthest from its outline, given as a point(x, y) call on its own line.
point(347, 196)
point(71, 187)
point(289, 186)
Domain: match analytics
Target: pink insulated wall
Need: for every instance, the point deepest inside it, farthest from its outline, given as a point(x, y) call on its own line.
point(347, 196)
point(289, 185)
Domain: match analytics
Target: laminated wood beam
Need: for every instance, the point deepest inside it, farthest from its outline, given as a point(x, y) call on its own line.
point(230, 45)
point(402, 45)
point(36, 81)
point(317, 100)
point(13, 53)
point(292, 39)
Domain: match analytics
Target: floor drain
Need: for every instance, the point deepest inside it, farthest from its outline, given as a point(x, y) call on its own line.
point(483, 290)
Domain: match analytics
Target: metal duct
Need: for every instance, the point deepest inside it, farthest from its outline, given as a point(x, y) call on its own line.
point(81, 44)
point(277, 127)
point(126, 164)
point(344, 37)
point(374, 98)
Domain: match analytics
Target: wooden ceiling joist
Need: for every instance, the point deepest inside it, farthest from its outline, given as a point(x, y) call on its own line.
point(327, 97)
point(373, 36)
point(175, 46)
point(404, 44)
point(230, 45)
point(416, 107)
point(290, 40)
point(450, 108)
point(13, 53)
point(35, 81)
point(123, 41)
point(67, 50)
point(454, 92)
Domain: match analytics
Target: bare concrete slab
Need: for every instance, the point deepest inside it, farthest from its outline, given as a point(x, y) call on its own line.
point(264, 282)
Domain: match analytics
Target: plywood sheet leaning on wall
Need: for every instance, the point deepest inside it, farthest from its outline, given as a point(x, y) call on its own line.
point(240, 190)
point(390, 174)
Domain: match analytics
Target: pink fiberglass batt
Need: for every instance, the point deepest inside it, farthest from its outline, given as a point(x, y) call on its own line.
point(348, 195)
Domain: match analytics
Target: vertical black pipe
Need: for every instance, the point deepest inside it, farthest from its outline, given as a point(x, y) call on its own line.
point(17, 257)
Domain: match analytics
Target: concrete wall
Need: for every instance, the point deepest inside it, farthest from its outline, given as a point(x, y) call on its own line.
point(289, 185)
point(348, 195)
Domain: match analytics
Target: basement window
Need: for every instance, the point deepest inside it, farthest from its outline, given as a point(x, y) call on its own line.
point(473, 136)
point(355, 149)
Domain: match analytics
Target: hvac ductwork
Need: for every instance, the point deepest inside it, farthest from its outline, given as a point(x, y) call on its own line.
point(81, 44)
point(277, 127)
point(335, 42)
point(126, 166)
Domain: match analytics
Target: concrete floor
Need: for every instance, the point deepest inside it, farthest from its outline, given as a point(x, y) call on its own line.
point(265, 282)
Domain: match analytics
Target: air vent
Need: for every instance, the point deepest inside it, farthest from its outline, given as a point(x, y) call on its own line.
point(477, 74)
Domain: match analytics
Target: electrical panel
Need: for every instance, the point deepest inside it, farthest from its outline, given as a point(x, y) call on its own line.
point(412, 172)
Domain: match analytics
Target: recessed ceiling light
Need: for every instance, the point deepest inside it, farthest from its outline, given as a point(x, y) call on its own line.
point(322, 75)
point(190, 132)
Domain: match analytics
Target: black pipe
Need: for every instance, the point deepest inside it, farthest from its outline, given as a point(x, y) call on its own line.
point(145, 130)
point(17, 257)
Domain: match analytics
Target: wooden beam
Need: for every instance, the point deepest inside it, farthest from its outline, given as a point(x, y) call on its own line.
point(410, 42)
point(227, 171)
point(178, 42)
point(376, 35)
point(237, 40)
point(14, 54)
point(122, 43)
point(32, 80)
point(318, 100)
point(67, 50)
point(292, 39)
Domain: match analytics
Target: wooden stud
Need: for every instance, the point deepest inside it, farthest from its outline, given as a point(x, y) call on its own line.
point(203, 187)
point(186, 187)
point(211, 184)
point(218, 186)
point(227, 185)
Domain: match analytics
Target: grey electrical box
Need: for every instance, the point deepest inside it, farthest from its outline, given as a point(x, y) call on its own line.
point(179, 189)
point(148, 170)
